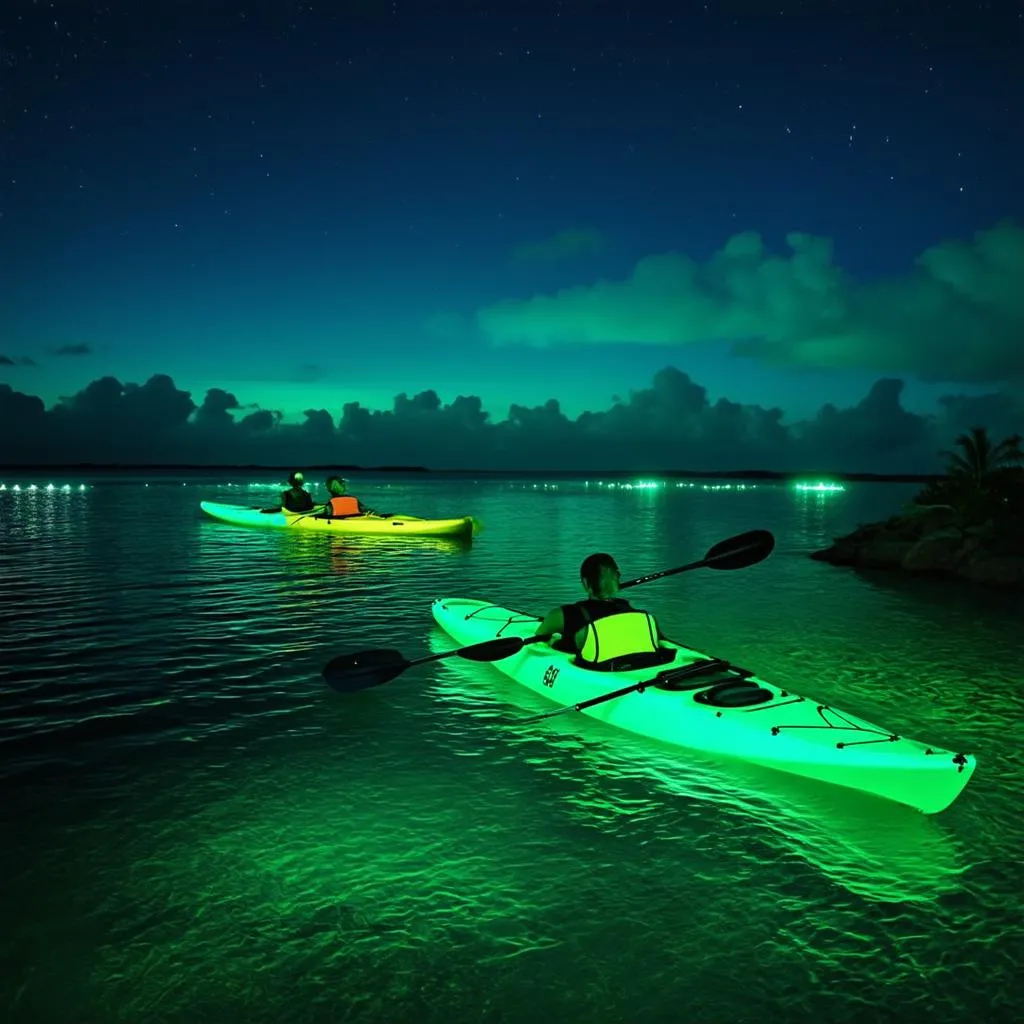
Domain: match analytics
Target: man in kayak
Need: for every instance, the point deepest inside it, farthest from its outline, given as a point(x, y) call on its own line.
point(297, 498)
point(340, 504)
point(605, 631)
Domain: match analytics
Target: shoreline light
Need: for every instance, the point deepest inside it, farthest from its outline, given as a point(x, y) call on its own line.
point(822, 487)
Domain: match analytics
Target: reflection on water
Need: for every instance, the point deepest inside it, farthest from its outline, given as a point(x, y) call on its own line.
point(868, 846)
point(197, 828)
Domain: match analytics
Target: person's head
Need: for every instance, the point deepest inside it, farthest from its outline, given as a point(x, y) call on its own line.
point(296, 479)
point(336, 487)
point(600, 575)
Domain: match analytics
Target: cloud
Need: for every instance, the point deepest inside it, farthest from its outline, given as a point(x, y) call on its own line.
point(669, 425)
point(79, 349)
point(858, 435)
point(956, 316)
point(571, 244)
point(18, 361)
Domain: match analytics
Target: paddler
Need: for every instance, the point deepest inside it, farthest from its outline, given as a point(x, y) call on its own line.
point(341, 504)
point(297, 498)
point(604, 631)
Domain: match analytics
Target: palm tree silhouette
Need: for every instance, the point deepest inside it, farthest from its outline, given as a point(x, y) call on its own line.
point(982, 479)
point(980, 462)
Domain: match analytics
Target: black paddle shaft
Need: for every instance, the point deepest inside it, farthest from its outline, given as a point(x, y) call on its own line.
point(697, 668)
point(735, 553)
point(349, 673)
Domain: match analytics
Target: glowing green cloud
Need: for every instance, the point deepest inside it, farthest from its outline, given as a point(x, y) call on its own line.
point(958, 314)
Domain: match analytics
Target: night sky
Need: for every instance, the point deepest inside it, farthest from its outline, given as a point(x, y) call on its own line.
point(768, 235)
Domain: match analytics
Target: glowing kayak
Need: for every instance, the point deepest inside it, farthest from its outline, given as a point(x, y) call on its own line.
point(393, 526)
point(727, 711)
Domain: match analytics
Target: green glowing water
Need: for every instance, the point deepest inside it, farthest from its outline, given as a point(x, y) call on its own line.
point(195, 828)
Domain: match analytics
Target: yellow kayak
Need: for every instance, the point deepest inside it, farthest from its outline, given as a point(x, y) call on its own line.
point(393, 526)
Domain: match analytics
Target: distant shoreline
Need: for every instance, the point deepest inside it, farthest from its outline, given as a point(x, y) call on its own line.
point(671, 474)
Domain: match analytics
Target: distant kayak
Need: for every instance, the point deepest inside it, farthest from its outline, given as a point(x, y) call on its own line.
point(410, 526)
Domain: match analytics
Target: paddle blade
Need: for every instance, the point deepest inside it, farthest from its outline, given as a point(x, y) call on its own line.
point(492, 650)
point(740, 551)
point(350, 673)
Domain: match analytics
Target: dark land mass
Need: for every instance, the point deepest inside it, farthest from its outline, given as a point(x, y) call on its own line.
point(672, 474)
point(936, 542)
point(966, 525)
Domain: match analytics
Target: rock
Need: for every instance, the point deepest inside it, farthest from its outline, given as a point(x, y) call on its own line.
point(990, 554)
point(938, 553)
point(930, 518)
point(884, 553)
point(842, 552)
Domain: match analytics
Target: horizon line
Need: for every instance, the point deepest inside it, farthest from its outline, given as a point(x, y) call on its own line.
point(733, 474)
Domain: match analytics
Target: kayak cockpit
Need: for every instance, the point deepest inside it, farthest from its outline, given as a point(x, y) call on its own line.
point(630, 662)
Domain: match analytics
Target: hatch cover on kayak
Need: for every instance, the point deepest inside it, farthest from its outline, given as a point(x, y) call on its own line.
point(738, 694)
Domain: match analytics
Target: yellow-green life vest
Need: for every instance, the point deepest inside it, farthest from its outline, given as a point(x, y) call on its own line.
point(619, 636)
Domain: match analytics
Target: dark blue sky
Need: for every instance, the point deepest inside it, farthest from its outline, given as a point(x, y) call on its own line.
point(308, 205)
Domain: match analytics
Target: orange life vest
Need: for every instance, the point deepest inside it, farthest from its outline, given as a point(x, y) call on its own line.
point(344, 506)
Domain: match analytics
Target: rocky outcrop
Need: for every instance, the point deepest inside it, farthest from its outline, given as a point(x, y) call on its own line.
point(930, 541)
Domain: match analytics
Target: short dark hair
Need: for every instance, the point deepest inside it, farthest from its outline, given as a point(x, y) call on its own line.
point(593, 568)
point(295, 476)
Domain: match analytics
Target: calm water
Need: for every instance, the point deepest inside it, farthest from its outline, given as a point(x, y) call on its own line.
point(196, 828)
